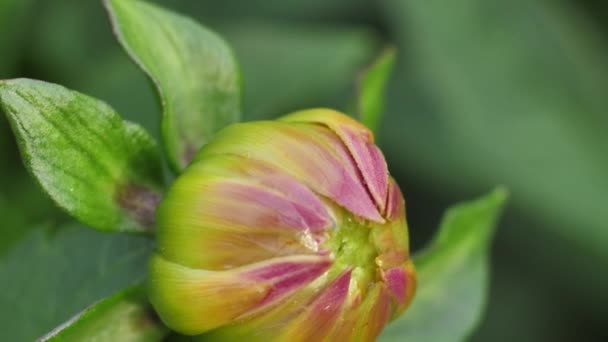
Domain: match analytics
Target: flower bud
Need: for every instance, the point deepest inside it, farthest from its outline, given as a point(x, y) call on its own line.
point(287, 230)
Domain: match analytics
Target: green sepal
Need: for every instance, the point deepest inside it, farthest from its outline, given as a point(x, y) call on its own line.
point(193, 69)
point(103, 170)
point(453, 275)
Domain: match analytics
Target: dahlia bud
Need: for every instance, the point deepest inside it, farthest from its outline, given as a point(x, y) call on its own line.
point(287, 230)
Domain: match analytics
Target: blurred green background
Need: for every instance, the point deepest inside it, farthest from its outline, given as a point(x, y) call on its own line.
point(485, 92)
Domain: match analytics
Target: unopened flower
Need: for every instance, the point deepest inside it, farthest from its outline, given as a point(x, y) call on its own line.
point(287, 230)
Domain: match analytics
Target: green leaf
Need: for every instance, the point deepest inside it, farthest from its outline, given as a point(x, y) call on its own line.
point(371, 88)
point(452, 275)
point(125, 316)
point(104, 171)
point(52, 274)
point(193, 69)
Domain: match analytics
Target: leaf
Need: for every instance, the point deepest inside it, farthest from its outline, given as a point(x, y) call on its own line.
point(279, 60)
point(193, 69)
point(371, 88)
point(125, 316)
point(52, 274)
point(102, 170)
point(510, 92)
point(452, 275)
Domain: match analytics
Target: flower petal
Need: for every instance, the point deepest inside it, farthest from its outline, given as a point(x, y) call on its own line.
point(309, 207)
point(391, 239)
point(194, 301)
point(360, 142)
point(323, 315)
point(373, 314)
point(298, 150)
point(218, 216)
point(401, 285)
point(395, 204)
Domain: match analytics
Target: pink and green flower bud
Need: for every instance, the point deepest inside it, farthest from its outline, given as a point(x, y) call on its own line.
point(287, 230)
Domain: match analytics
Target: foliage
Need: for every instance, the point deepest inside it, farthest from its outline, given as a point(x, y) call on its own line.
point(453, 275)
point(194, 71)
point(124, 316)
point(55, 272)
point(484, 93)
point(104, 171)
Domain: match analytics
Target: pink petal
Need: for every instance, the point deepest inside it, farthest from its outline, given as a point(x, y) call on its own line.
point(195, 300)
point(303, 200)
point(232, 211)
point(360, 142)
point(250, 205)
point(378, 317)
point(288, 275)
point(323, 315)
point(396, 282)
point(395, 205)
point(370, 161)
point(400, 283)
point(299, 151)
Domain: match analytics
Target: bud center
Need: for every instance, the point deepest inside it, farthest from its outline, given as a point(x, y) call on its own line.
point(353, 248)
